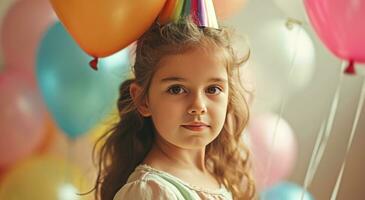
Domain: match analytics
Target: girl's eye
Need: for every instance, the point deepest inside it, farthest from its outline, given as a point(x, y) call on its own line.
point(176, 89)
point(214, 90)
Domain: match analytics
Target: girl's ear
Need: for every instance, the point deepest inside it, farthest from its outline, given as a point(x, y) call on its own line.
point(142, 105)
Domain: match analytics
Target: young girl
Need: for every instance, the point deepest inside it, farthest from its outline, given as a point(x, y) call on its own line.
point(181, 121)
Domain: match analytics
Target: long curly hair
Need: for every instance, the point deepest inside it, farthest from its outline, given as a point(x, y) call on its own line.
point(127, 143)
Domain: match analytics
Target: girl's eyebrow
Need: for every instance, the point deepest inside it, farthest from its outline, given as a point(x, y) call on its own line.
point(180, 79)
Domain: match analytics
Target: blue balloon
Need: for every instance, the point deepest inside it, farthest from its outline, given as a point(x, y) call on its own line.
point(285, 191)
point(77, 96)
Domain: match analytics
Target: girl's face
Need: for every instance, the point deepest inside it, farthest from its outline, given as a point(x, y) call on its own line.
point(187, 89)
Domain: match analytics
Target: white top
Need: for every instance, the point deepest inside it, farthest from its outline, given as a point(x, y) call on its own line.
point(147, 183)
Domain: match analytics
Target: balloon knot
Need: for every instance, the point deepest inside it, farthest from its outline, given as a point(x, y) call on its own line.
point(350, 69)
point(94, 63)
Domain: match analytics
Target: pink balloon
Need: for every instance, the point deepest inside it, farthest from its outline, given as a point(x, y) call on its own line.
point(225, 9)
point(283, 153)
point(21, 117)
point(340, 26)
point(22, 29)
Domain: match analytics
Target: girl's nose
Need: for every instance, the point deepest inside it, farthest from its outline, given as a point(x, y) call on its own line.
point(194, 111)
point(198, 106)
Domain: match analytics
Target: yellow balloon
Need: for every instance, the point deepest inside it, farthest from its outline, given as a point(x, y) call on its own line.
point(103, 127)
point(103, 27)
point(45, 178)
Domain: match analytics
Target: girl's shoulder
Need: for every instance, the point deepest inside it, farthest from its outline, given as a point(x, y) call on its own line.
point(149, 183)
point(146, 187)
point(145, 184)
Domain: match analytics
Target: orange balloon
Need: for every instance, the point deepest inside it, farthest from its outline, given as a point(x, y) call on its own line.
point(225, 9)
point(103, 27)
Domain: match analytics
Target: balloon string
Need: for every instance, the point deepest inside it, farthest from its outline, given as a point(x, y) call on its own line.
point(282, 106)
point(323, 136)
point(308, 178)
point(328, 130)
point(349, 143)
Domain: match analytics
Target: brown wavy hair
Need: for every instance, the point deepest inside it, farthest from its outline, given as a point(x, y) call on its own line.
point(127, 143)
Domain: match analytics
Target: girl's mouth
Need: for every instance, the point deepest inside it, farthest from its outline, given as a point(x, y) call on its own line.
point(195, 127)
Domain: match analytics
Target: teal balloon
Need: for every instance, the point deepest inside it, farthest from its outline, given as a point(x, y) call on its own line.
point(285, 191)
point(77, 96)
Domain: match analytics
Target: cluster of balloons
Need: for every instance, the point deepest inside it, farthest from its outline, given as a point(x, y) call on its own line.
point(338, 24)
point(43, 65)
point(48, 96)
point(51, 102)
point(45, 85)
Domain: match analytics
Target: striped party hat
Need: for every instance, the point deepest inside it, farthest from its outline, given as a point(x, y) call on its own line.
point(201, 11)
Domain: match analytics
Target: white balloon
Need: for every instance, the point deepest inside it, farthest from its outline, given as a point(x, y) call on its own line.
point(277, 49)
point(292, 8)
